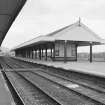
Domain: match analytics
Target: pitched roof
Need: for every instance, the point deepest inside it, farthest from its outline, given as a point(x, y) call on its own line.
point(74, 32)
point(35, 40)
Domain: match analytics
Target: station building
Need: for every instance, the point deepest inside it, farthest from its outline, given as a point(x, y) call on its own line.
point(60, 45)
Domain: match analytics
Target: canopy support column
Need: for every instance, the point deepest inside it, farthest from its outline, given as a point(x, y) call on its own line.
point(32, 53)
point(40, 53)
point(46, 54)
point(65, 51)
point(26, 53)
point(76, 51)
point(51, 52)
point(54, 51)
point(35, 54)
point(90, 52)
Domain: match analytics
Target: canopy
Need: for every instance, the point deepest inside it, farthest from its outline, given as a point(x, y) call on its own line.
point(77, 32)
point(9, 10)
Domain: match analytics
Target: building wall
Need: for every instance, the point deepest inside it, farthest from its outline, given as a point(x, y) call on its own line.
point(59, 51)
point(71, 50)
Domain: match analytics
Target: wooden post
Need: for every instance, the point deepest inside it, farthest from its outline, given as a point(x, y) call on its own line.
point(90, 52)
point(42, 53)
point(29, 53)
point(22, 53)
point(76, 51)
point(35, 54)
point(46, 54)
point(26, 53)
point(32, 53)
point(16, 53)
point(38, 54)
point(51, 52)
point(65, 51)
point(54, 52)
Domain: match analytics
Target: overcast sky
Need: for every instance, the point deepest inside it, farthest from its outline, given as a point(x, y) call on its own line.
point(39, 17)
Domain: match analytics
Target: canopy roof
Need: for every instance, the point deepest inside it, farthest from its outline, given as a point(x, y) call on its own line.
point(9, 10)
point(77, 32)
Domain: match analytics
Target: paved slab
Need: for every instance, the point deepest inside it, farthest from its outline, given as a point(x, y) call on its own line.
point(96, 68)
point(5, 96)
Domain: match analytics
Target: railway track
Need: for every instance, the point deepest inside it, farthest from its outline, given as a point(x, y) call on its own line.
point(57, 87)
point(28, 93)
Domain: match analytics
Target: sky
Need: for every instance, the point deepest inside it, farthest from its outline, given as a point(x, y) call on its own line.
point(40, 17)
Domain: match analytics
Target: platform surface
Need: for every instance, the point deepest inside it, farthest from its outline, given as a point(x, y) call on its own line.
point(5, 95)
point(96, 68)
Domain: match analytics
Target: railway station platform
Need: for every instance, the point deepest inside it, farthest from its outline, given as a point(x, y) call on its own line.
point(94, 68)
point(5, 95)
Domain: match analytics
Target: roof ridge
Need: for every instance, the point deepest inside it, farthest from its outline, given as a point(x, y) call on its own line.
point(61, 29)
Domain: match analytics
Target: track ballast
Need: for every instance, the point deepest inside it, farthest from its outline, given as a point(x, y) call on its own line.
point(55, 88)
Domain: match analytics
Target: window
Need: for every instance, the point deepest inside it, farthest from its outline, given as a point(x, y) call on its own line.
point(73, 50)
point(57, 52)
